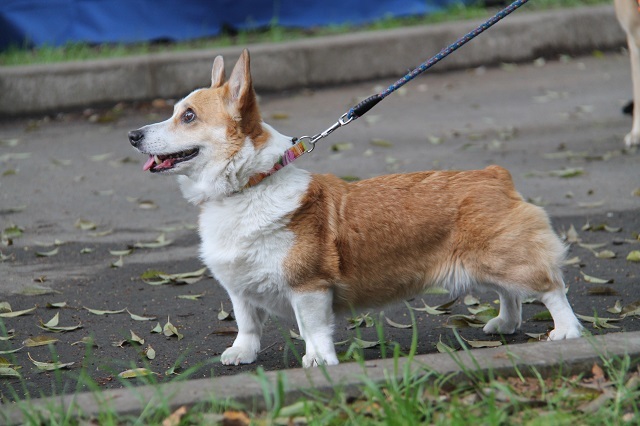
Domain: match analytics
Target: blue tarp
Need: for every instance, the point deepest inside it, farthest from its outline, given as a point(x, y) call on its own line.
point(57, 22)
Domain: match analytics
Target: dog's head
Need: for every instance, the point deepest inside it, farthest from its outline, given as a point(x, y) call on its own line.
point(208, 129)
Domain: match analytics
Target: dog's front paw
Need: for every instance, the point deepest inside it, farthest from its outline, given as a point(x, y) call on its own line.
point(572, 332)
point(236, 355)
point(315, 360)
point(498, 325)
point(632, 139)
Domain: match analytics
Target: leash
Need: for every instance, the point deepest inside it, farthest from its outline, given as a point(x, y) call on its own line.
point(305, 144)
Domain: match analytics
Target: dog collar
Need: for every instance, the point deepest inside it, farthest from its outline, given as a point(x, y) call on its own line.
point(300, 146)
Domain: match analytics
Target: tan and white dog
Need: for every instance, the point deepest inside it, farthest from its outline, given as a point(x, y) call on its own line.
point(307, 246)
point(629, 16)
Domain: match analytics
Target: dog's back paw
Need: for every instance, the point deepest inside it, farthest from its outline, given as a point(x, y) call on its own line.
point(632, 139)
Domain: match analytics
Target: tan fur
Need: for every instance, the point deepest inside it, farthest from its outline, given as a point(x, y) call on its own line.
point(386, 238)
point(314, 244)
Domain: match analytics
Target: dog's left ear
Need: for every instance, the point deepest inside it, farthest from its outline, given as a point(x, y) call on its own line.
point(240, 86)
point(217, 73)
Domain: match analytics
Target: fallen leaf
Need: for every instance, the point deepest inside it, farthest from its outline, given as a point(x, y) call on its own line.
point(224, 315)
point(470, 300)
point(592, 246)
point(190, 296)
point(8, 372)
point(85, 225)
point(342, 146)
point(138, 317)
point(536, 336)
point(171, 330)
point(99, 312)
point(118, 263)
point(594, 280)
point(161, 241)
point(121, 252)
point(86, 250)
point(616, 309)
point(47, 253)
point(598, 322)
point(462, 321)
point(235, 418)
point(573, 261)
point(11, 351)
point(52, 325)
point(567, 173)
point(157, 329)
point(605, 254)
point(432, 310)
point(601, 291)
point(149, 352)
point(591, 205)
point(135, 372)
point(632, 309)
point(147, 205)
point(5, 307)
point(223, 331)
point(175, 417)
point(39, 341)
point(57, 305)
point(483, 343)
point(572, 235)
point(381, 143)
point(101, 233)
point(362, 320)
point(50, 366)
point(443, 347)
point(87, 340)
point(397, 325)
point(136, 338)
point(364, 344)
point(295, 335)
point(634, 256)
point(14, 314)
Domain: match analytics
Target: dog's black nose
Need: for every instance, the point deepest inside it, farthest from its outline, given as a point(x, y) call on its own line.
point(135, 136)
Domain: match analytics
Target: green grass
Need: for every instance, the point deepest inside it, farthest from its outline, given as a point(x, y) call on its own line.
point(19, 55)
point(411, 394)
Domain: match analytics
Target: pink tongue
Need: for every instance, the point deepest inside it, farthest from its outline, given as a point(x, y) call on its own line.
point(148, 164)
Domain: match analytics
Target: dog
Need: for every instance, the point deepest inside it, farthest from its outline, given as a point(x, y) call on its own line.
point(628, 13)
point(308, 246)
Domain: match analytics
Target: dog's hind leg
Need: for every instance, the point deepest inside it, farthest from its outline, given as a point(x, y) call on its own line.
point(510, 316)
point(566, 325)
point(314, 314)
point(250, 321)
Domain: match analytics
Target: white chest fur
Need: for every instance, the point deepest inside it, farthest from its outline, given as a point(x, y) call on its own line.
point(245, 239)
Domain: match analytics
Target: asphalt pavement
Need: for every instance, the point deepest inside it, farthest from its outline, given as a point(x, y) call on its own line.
point(74, 200)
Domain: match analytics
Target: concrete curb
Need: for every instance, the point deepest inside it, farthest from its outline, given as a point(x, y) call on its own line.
point(547, 358)
point(313, 62)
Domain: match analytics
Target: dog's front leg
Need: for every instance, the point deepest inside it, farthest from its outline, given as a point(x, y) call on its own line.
point(314, 314)
point(250, 320)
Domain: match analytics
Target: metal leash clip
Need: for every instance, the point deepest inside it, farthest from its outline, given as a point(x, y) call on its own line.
point(315, 138)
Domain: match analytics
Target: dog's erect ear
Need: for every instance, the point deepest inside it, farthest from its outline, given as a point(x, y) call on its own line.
point(240, 86)
point(217, 73)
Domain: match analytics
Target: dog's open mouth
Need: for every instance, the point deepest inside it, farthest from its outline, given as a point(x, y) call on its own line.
point(161, 163)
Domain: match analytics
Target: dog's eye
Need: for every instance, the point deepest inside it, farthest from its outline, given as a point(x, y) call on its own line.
point(188, 116)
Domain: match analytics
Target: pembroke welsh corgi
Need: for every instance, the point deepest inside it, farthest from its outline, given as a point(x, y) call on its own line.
point(628, 13)
point(306, 246)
